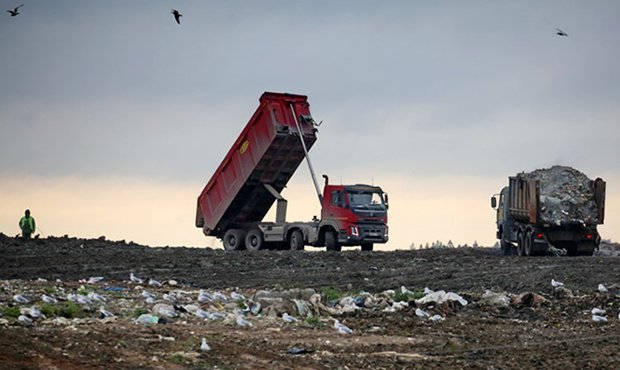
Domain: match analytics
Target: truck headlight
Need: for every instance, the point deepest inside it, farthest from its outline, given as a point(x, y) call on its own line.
point(355, 231)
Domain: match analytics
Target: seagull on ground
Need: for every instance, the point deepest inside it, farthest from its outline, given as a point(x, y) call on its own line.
point(204, 296)
point(342, 328)
point(436, 318)
point(556, 284)
point(153, 282)
point(24, 320)
point(242, 322)
point(597, 318)
point(421, 313)
point(146, 294)
point(35, 313)
point(597, 311)
point(15, 11)
point(559, 32)
point(104, 314)
point(602, 288)
point(177, 15)
point(96, 297)
point(204, 346)
point(237, 297)
point(94, 279)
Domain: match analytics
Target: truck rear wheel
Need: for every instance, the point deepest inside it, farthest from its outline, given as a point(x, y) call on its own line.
point(297, 241)
point(254, 240)
point(331, 242)
point(520, 249)
point(233, 239)
point(367, 246)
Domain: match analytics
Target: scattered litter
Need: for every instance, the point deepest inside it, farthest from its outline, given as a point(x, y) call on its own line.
point(490, 298)
point(237, 297)
point(147, 319)
point(134, 279)
point(242, 322)
point(597, 318)
point(172, 282)
point(35, 313)
point(204, 296)
point(436, 318)
point(47, 299)
point(21, 299)
point(288, 318)
point(440, 297)
point(105, 314)
point(421, 313)
point(204, 346)
point(96, 297)
point(164, 310)
point(298, 351)
point(25, 320)
point(598, 311)
point(528, 299)
point(146, 294)
point(94, 279)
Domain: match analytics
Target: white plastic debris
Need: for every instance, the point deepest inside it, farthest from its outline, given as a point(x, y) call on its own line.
point(237, 297)
point(204, 296)
point(421, 313)
point(164, 310)
point(602, 288)
point(556, 284)
point(21, 299)
point(202, 314)
point(105, 313)
point(84, 300)
point(288, 318)
point(597, 318)
point(490, 298)
point(146, 294)
point(147, 319)
point(427, 291)
point(47, 299)
point(94, 279)
point(436, 318)
point(440, 297)
point(242, 322)
point(204, 346)
point(598, 311)
point(24, 320)
point(96, 297)
point(35, 313)
point(134, 279)
point(219, 296)
point(342, 328)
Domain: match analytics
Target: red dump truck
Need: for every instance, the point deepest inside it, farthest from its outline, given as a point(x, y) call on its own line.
point(257, 168)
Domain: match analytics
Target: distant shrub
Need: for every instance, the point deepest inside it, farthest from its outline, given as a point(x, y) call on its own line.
point(11, 312)
point(331, 294)
point(70, 310)
point(50, 310)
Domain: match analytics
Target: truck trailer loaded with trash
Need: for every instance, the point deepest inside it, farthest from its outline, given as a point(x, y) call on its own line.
point(257, 168)
point(554, 209)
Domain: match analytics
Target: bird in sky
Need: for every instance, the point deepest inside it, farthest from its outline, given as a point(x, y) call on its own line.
point(177, 15)
point(559, 32)
point(15, 11)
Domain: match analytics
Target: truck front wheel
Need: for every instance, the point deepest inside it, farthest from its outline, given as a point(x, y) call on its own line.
point(233, 240)
point(331, 242)
point(254, 240)
point(297, 241)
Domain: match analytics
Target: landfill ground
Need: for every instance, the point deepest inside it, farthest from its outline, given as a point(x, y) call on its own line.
point(522, 321)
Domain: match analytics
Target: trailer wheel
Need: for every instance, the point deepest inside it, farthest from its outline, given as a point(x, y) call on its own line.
point(367, 247)
point(520, 249)
point(331, 242)
point(297, 241)
point(527, 244)
point(254, 240)
point(233, 240)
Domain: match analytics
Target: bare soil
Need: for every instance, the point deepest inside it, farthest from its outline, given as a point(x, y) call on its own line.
point(556, 333)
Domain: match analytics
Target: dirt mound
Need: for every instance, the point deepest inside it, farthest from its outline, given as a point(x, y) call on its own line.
point(508, 315)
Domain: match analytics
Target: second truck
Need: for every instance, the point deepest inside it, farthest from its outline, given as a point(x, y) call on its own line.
point(256, 169)
point(557, 207)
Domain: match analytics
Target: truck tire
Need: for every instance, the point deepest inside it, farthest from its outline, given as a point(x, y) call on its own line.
point(527, 244)
point(520, 249)
point(233, 240)
point(367, 247)
point(331, 242)
point(254, 240)
point(296, 242)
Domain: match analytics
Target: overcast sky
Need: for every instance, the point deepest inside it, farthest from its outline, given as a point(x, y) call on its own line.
point(407, 90)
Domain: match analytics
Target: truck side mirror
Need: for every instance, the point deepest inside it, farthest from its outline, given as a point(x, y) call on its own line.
point(387, 203)
point(493, 202)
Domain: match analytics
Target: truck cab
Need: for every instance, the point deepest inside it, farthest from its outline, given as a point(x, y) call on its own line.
point(357, 214)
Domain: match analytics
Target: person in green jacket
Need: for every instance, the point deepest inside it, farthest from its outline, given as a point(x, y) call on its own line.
point(27, 225)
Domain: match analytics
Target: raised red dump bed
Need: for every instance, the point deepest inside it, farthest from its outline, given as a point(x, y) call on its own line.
point(268, 151)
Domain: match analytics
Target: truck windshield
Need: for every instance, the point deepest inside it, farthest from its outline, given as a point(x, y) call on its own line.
point(366, 200)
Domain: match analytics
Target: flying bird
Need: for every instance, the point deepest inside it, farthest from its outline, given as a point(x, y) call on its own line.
point(15, 11)
point(559, 32)
point(177, 15)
